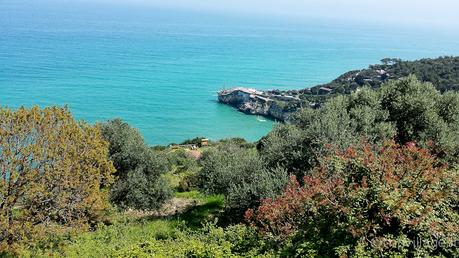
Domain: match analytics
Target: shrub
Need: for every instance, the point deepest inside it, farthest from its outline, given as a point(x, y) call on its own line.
point(183, 168)
point(368, 202)
point(54, 170)
point(234, 241)
point(288, 147)
point(239, 174)
point(139, 169)
point(241, 142)
point(181, 161)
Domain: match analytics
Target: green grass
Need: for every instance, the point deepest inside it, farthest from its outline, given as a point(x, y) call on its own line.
point(209, 209)
point(196, 195)
point(116, 237)
point(128, 231)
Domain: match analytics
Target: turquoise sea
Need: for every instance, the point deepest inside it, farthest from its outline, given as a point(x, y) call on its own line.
point(160, 69)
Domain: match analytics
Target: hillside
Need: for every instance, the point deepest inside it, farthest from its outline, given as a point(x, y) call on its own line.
point(442, 72)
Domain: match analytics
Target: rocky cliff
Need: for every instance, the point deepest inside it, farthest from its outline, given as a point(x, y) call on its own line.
point(264, 103)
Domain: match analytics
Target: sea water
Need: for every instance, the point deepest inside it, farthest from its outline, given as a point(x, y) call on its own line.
point(160, 70)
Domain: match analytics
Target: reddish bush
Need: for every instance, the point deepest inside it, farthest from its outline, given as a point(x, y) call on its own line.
point(366, 198)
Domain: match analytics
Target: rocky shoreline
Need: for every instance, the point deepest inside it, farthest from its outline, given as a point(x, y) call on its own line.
point(265, 103)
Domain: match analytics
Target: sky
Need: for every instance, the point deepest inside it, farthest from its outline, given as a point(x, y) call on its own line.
point(436, 13)
point(440, 14)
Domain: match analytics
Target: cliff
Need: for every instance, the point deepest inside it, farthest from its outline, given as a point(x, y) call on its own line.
point(264, 103)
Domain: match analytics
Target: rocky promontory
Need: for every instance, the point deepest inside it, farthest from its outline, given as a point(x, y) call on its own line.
point(265, 103)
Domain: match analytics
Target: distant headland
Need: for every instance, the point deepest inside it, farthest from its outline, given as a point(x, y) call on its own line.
point(442, 72)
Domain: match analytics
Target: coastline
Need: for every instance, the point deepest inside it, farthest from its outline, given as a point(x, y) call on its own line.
point(280, 105)
point(273, 105)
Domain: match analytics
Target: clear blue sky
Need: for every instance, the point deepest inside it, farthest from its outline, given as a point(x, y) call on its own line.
point(436, 13)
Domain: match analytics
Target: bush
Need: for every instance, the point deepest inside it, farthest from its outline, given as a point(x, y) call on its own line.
point(140, 183)
point(370, 202)
point(181, 161)
point(234, 241)
point(54, 174)
point(239, 174)
point(183, 170)
point(241, 142)
point(163, 238)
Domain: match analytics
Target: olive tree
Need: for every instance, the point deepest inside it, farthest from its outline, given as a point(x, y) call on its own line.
point(240, 175)
point(405, 110)
point(139, 182)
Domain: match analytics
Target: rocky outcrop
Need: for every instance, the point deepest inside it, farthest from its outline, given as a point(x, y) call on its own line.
point(264, 103)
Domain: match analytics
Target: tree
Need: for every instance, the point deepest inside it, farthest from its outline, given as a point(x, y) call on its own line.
point(54, 172)
point(405, 110)
point(139, 169)
point(368, 201)
point(239, 174)
point(342, 121)
point(420, 113)
point(442, 72)
point(390, 61)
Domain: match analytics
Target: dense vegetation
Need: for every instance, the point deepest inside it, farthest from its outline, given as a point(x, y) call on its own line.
point(442, 72)
point(138, 168)
point(55, 172)
point(373, 173)
point(366, 201)
point(239, 174)
point(405, 110)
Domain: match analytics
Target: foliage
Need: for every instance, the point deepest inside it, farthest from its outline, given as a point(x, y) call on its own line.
point(421, 114)
point(236, 141)
point(235, 241)
point(206, 208)
point(167, 239)
point(341, 121)
point(368, 201)
point(442, 72)
point(180, 161)
point(288, 147)
point(108, 239)
point(54, 171)
point(196, 140)
point(183, 169)
point(406, 110)
point(239, 174)
point(139, 168)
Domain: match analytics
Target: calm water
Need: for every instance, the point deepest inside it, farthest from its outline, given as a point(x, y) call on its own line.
point(159, 70)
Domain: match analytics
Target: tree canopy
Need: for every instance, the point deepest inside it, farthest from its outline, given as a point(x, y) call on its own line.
point(404, 110)
point(139, 182)
point(54, 170)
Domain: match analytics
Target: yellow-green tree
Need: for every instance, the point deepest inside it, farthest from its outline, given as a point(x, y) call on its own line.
point(53, 173)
